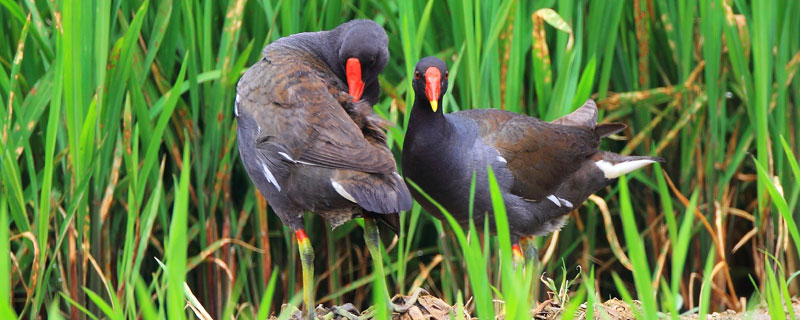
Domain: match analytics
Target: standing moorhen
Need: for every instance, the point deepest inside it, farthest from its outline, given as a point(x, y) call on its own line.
point(543, 169)
point(308, 145)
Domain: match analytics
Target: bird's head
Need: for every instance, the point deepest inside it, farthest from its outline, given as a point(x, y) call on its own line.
point(430, 80)
point(364, 53)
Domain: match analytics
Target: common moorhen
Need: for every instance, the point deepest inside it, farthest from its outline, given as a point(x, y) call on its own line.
point(544, 169)
point(308, 145)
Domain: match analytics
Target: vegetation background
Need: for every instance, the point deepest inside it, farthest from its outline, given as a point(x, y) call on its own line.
point(121, 178)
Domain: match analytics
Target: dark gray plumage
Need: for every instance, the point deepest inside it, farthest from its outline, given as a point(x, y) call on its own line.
point(304, 142)
point(361, 39)
point(544, 170)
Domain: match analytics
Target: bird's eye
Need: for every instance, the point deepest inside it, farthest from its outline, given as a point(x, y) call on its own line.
point(417, 75)
point(446, 74)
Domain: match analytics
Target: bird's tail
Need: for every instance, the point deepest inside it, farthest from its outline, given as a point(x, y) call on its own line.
point(606, 129)
point(598, 172)
point(614, 165)
point(586, 117)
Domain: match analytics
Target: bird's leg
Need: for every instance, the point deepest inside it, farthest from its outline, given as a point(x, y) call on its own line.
point(372, 238)
point(307, 261)
point(373, 241)
point(516, 255)
point(529, 249)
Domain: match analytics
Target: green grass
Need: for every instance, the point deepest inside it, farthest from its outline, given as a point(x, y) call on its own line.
point(118, 152)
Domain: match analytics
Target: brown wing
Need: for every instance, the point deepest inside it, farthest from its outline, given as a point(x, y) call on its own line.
point(291, 96)
point(586, 116)
point(540, 155)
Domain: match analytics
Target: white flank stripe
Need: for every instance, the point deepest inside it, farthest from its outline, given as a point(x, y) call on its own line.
point(341, 191)
point(283, 154)
point(613, 171)
point(270, 177)
point(501, 159)
point(236, 106)
point(566, 202)
point(554, 199)
point(289, 158)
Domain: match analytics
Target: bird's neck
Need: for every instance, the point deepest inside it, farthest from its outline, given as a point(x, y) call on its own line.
point(330, 53)
point(323, 44)
point(431, 152)
point(427, 124)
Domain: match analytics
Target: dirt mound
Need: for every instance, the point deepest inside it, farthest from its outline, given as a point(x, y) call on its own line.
point(618, 309)
point(419, 306)
point(426, 306)
point(423, 306)
point(614, 309)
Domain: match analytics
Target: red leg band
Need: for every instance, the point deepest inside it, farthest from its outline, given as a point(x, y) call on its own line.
point(301, 235)
point(516, 250)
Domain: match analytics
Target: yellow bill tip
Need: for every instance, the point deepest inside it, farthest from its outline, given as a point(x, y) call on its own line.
point(434, 105)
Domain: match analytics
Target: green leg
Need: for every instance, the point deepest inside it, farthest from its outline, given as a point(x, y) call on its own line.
point(531, 254)
point(516, 255)
point(529, 249)
point(307, 261)
point(372, 238)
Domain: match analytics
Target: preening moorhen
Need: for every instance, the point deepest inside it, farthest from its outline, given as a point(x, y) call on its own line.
point(544, 169)
point(308, 136)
